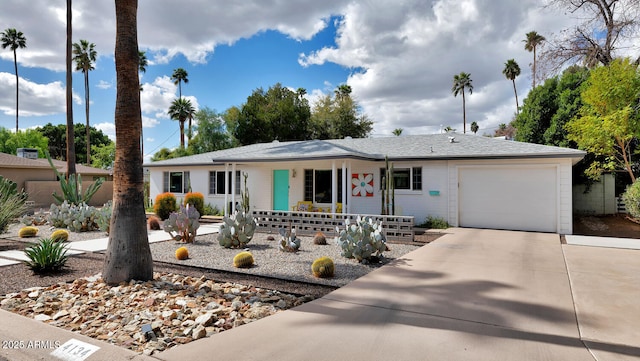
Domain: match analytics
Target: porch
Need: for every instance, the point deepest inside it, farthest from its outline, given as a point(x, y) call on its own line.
point(396, 228)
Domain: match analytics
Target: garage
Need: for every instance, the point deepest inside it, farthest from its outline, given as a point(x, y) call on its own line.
point(513, 197)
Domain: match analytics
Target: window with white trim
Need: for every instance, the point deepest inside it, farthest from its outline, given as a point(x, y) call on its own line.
point(176, 182)
point(317, 185)
point(217, 182)
point(404, 178)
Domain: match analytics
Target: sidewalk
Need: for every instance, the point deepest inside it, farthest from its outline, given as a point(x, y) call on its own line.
point(470, 295)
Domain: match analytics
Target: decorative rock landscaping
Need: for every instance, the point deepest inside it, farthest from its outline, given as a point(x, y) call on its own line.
point(149, 316)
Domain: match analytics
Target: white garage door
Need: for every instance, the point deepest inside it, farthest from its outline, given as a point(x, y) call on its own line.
point(516, 198)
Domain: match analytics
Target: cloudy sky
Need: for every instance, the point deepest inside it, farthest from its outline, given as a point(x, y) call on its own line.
point(398, 56)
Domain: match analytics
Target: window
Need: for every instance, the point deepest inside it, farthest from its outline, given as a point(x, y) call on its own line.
point(176, 182)
point(317, 185)
point(405, 178)
point(217, 183)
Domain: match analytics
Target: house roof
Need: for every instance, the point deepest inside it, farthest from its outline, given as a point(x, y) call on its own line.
point(446, 146)
point(12, 161)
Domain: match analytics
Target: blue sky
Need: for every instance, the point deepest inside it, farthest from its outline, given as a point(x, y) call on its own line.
point(398, 57)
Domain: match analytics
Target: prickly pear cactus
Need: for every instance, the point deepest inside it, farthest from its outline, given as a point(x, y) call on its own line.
point(183, 225)
point(288, 241)
point(362, 240)
point(77, 218)
point(237, 230)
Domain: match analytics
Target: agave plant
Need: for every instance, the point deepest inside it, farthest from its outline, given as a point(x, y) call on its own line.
point(46, 256)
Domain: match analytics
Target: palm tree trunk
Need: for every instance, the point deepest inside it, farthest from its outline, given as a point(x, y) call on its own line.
point(516, 93)
point(181, 121)
point(464, 115)
point(128, 254)
point(15, 64)
point(534, 67)
point(86, 109)
point(71, 145)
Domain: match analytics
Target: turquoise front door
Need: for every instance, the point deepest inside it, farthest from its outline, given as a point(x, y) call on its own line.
point(281, 190)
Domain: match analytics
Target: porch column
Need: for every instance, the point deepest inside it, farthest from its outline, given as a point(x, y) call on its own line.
point(233, 187)
point(349, 195)
point(226, 190)
point(334, 186)
point(345, 177)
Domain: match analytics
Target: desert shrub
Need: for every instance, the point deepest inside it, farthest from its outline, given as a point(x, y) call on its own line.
point(164, 205)
point(12, 202)
point(434, 223)
point(154, 223)
point(46, 256)
point(209, 210)
point(195, 199)
point(631, 198)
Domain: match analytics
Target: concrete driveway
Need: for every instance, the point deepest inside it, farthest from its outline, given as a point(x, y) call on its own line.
point(470, 295)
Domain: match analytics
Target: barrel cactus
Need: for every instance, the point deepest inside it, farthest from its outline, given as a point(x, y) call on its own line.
point(362, 240)
point(237, 230)
point(243, 260)
point(60, 235)
point(182, 253)
point(323, 267)
point(320, 239)
point(28, 231)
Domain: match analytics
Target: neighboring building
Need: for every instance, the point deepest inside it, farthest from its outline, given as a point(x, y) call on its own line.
point(37, 178)
point(468, 180)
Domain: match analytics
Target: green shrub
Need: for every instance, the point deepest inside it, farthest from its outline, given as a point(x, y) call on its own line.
point(196, 199)
point(434, 223)
point(631, 198)
point(12, 202)
point(46, 256)
point(209, 210)
point(164, 205)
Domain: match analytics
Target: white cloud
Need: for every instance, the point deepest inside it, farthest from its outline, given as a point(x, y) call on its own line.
point(35, 99)
point(148, 122)
point(109, 129)
point(104, 85)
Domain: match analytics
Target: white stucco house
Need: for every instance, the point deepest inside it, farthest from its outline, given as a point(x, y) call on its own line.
point(468, 180)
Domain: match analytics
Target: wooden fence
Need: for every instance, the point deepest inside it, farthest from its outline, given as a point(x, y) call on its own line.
point(396, 228)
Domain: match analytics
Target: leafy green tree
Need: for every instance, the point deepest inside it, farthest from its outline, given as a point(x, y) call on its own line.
point(460, 82)
point(511, 71)
point(277, 114)
point(30, 138)
point(166, 153)
point(57, 136)
point(537, 110)
point(181, 110)
point(338, 117)
point(211, 132)
point(180, 76)
point(103, 155)
point(531, 43)
point(14, 40)
point(607, 123)
point(568, 98)
point(397, 132)
point(474, 127)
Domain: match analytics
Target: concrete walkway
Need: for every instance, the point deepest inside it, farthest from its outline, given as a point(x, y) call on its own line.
point(470, 295)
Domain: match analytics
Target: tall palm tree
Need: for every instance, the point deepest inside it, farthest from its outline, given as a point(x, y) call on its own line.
point(460, 82)
point(397, 132)
point(13, 39)
point(71, 144)
point(142, 68)
point(181, 110)
point(530, 44)
point(180, 76)
point(511, 71)
point(475, 127)
point(128, 254)
point(85, 56)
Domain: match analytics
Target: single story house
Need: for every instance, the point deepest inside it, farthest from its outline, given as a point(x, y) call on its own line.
point(37, 178)
point(468, 180)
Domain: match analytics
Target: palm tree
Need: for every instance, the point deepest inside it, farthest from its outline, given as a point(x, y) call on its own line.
point(474, 127)
point(460, 82)
point(397, 132)
point(128, 254)
point(85, 56)
point(511, 71)
point(13, 39)
point(181, 110)
point(179, 76)
point(531, 42)
point(142, 68)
